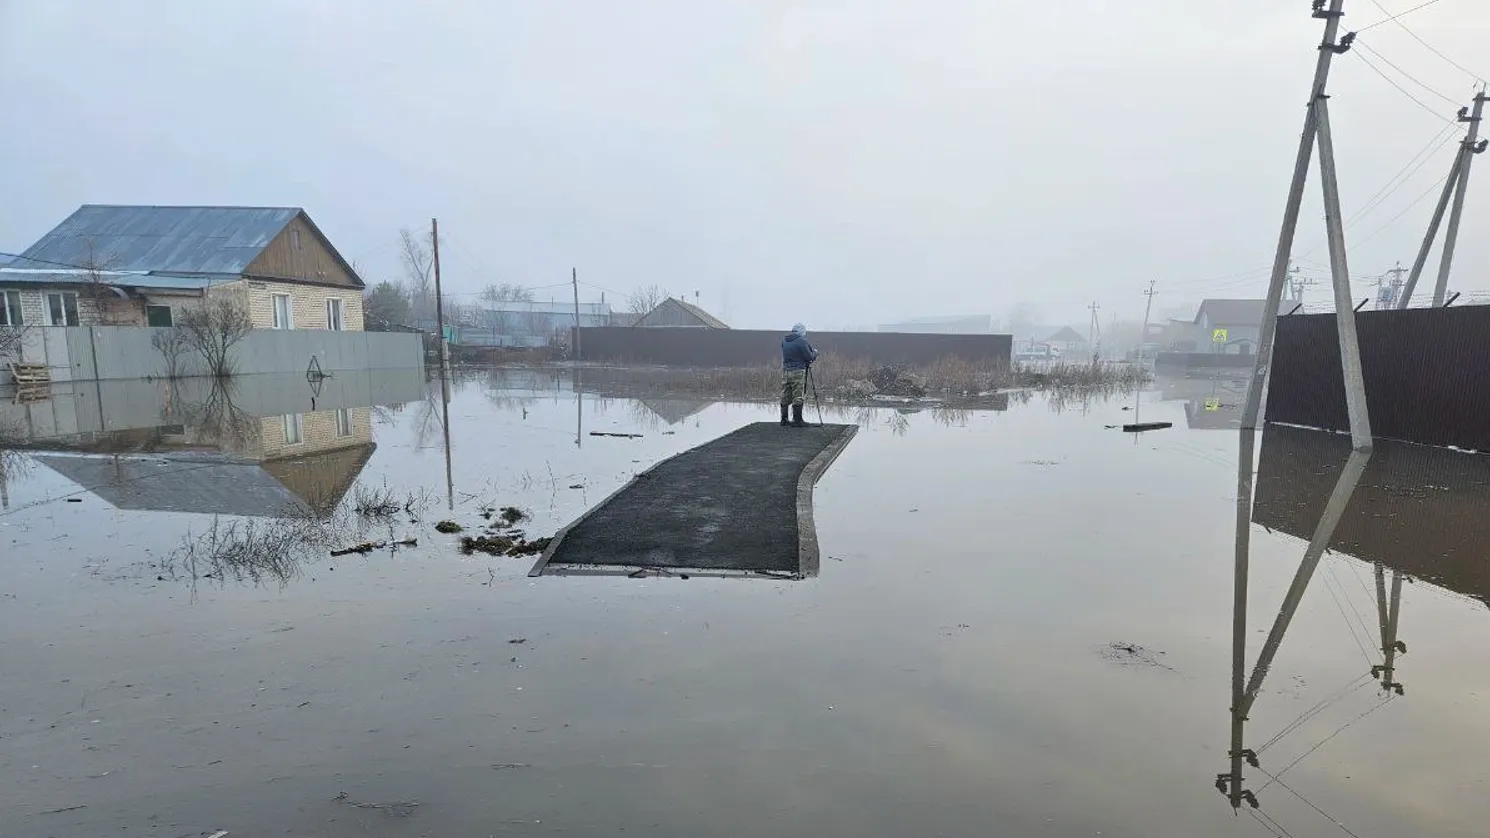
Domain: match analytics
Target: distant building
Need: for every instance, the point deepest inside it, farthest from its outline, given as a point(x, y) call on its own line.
point(673, 313)
point(1230, 326)
point(957, 324)
point(142, 265)
point(527, 324)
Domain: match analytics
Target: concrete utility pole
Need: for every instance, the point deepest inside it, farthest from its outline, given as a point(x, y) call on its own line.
point(1452, 236)
point(1453, 188)
point(1350, 346)
point(1327, 50)
point(1143, 338)
point(574, 278)
point(434, 239)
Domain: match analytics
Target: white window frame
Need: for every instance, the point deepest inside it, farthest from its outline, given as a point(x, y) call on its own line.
point(289, 318)
point(11, 315)
point(344, 423)
point(294, 429)
point(335, 314)
point(63, 296)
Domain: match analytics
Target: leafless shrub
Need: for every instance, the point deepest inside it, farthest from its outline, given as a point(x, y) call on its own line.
point(219, 420)
point(171, 343)
point(252, 550)
point(214, 328)
point(11, 340)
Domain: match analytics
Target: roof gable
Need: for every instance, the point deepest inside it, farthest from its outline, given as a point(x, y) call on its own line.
point(1233, 312)
point(703, 316)
point(195, 240)
point(1066, 335)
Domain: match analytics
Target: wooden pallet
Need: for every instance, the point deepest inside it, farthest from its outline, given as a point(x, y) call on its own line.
point(32, 393)
point(23, 374)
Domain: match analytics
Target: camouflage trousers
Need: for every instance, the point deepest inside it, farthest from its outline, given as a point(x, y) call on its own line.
point(793, 386)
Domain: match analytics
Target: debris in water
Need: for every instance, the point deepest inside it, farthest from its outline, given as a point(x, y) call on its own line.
point(501, 545)
point(1131, 654)
point(1147, 426)
point(397, 809)
point(516, 640)
point(448, 527)
point(512, 515)
point(610, 433)
point(74, 500)
point(364, 548)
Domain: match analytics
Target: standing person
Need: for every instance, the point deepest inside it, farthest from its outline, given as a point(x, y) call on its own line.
point(796, 356)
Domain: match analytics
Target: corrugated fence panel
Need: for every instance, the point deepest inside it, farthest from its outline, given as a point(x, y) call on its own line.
point(742, 347)
point(1427, 374)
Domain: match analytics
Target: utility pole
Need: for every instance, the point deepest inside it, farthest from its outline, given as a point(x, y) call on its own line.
point(1093, 331)
point(1327, 51)
point(1453, 187)
point(1350, 346)
point(434, 238)
point(574, 278)
point(1452, 236)
point(1143, 338)
point(1386, 297)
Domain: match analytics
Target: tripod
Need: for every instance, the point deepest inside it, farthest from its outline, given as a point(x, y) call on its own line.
point(812, 384)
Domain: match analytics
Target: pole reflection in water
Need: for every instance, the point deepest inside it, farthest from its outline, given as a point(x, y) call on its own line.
point(1232, 784)
point(445, 425)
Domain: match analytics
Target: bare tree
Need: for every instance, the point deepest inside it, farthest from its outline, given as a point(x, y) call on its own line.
point(419, 275)
point(99, 289)
point(645, 298)
point(506, 292)
point(171, 343)
point(12, 338)
point(214, 329)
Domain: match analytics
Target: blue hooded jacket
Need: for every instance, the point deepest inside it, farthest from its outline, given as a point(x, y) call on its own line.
point(796, 352)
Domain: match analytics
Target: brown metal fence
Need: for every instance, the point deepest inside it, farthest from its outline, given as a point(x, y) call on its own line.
point(1427, 374)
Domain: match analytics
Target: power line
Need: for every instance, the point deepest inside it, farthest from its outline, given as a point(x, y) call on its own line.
point(1414, 79)
point(1442, 138)
point(1420, 103)
point(1395, 16)
point(1418, 200)
point(1426, 45)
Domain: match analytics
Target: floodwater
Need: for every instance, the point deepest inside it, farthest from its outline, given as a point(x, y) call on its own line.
point(1023, 626)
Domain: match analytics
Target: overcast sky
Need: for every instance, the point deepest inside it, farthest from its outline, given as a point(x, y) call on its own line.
point(842, 162)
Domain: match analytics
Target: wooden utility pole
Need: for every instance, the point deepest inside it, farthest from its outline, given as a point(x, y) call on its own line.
point(1143, 338)
point(1327, 49)
point(434, 238)
point(1452, 236)
point(574, 279)
point(1093, 329)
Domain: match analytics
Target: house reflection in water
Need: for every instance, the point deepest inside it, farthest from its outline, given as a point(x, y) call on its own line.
point(252, 451)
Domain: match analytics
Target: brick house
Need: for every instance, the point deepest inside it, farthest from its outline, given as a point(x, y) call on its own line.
point(143, 265)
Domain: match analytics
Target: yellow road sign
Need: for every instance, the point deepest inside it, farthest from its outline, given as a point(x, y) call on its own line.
point(1212, 404)
point(1218, 336)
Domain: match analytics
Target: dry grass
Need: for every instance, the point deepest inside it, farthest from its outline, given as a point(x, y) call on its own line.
point(845, 380)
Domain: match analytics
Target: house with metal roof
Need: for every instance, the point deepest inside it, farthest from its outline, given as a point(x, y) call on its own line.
point(142, 265)
point(527, 323)
point(1232, 326)
point(675, 313)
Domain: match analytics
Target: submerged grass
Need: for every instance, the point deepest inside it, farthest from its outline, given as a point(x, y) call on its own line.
point(856, 381)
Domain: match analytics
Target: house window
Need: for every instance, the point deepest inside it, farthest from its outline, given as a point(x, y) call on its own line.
point(344, 422)
point(283, 318)
point(10, 309)
point(294, 432)
point(62, 309)
point(333, 314)
point(159, 316)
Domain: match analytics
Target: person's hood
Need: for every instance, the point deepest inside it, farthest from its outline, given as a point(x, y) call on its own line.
point(799, 330)
point(794, 336)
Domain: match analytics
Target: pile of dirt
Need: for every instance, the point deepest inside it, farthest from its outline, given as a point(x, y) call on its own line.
point(501, 537)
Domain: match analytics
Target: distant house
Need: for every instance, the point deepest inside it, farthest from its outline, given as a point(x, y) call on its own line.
point(1231, 326)
point(142, 265)
point(527, 324)
point(673, 313)
point(1067, 340)
point(959, 324)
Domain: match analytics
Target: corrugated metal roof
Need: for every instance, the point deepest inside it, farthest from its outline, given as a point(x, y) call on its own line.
point(125, 279)
point(209, 240)
point(703, 316)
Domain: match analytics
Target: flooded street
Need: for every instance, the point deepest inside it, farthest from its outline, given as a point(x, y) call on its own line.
point(1023, 625)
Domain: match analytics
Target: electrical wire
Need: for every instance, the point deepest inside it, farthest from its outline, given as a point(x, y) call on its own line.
point(1341, 729)
point(1324, 703)
point(1410, 76)
point(1395, 16)
point(1307, 802)
point(1391, 186)
point(1404, 91)
point(1394, 19)
point(1418, 200)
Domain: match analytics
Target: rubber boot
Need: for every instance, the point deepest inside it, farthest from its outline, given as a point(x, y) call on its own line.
point(784, 423)
point(797, 417)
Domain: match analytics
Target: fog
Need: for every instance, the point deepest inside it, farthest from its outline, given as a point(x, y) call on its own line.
point(842, 163)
